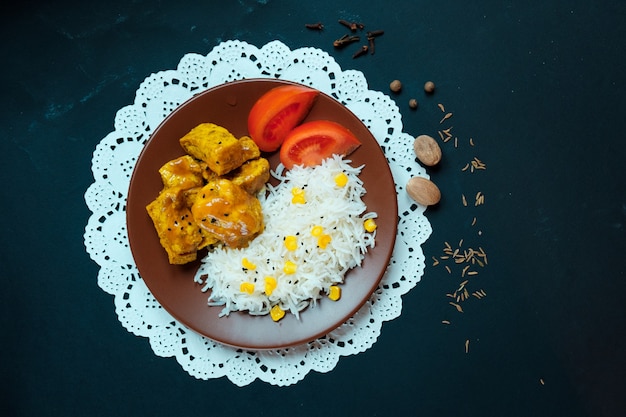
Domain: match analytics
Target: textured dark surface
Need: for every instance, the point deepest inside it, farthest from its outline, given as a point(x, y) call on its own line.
point(540, 89)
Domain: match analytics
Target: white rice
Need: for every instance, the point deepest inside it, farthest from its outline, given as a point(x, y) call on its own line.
point(341, 213)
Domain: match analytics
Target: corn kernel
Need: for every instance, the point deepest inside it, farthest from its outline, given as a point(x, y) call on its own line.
point(323, 241)
point(298, 199)
point(270, 285)
point(247, 264)
point(246, 287)
point(370, 225)
point(334, 292)
point(341, 179)
point(277, 313)
point(317, 231)
point(291, 243)
point(298, 196)
point(290, 268)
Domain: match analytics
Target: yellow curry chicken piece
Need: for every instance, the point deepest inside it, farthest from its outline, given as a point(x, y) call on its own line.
point(216, 146)
point(249, 148)
point(252, 175)
point(228, 212)
point(184, 172)
point(173, 221)
point(190, 196)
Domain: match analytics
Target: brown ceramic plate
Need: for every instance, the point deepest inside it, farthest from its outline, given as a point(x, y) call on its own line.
point(173, 286)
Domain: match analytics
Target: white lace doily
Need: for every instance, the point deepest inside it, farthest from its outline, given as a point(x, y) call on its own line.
point(112, 165)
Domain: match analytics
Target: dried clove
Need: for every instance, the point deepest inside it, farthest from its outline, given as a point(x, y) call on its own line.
point(345, 40)
point(375, 33)
point(360, 52)
point(372, 44)
point(314, 26)
point(371, 36)
point(353, 26)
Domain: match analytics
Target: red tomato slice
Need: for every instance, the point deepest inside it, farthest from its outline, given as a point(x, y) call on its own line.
point(278, 111)
point(312, 142)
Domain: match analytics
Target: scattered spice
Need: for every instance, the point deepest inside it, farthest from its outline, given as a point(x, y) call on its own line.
point(371, 44)
point(353, 26)
point(475, 164)
point(348, 39)
point(541, 381)
point(468, 259)
point(413, 103)
point(371, 36)
point(375, 33)
point(427, 150)
point(314, 26)
point(423, 191)
point(457, 306)
point(445, 134)
point(360, 52)
point(465, 262)
point(345, 40)
point(480, 199)
point(479, 294)
point(464, 270)
point(395, 86)
point(446, 117)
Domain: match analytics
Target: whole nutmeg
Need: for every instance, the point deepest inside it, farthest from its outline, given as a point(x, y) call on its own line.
point(427, 150)
point(413, 103)
point(423, 191)
point(395, 86)
point(429, 87)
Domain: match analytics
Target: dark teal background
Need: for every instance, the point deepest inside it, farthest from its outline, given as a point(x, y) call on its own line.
point(540, 88)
